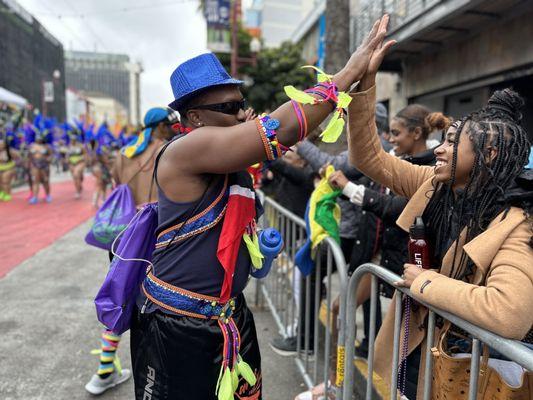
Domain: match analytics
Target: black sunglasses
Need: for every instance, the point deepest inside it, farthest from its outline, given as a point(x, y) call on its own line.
point(230, 107)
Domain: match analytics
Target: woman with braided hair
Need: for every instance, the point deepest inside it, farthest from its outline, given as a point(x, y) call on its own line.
point(476, 204)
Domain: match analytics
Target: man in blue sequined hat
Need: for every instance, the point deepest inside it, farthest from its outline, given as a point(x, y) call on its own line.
point(193, 336)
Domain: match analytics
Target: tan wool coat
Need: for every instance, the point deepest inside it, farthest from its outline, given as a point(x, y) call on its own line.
point(501, 254)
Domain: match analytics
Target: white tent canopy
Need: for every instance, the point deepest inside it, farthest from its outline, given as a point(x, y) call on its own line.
point(11, 98)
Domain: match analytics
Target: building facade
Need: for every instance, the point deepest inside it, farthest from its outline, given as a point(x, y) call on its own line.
point(276, 19)
point(30, 60)
point(451, 55)
point(102, 108)
point(112, 75)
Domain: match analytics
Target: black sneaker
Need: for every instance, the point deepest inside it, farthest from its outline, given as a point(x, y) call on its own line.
point(284, 346)
point(287, 347)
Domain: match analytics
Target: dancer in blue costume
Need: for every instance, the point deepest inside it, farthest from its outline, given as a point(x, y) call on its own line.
point(40, 156)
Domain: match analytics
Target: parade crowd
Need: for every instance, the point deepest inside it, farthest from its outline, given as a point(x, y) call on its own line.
point(31, 146)
point(201, 159)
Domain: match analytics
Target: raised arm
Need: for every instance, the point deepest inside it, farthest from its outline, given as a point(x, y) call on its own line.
point(364, 146)
point(298, 176)
point(368, 156)
point(385, 206)
point(318, 158)
point(223, 150)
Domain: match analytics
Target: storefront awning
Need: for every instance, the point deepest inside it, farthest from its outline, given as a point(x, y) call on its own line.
point(11, 98)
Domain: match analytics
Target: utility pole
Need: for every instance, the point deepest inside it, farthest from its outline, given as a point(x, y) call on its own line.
point(235, 11)
point(337, 49)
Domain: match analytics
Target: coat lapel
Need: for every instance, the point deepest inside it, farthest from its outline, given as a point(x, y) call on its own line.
point(483, 248)
point(416, 205)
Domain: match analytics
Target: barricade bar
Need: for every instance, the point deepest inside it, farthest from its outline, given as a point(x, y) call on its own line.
point(512, 349)
point(295, 301)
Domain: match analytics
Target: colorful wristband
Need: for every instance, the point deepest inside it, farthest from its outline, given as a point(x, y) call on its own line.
point(325, 90)
point(267, 130)
point(302, 120)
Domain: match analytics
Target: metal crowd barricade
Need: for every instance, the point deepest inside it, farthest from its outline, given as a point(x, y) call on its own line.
point(289, 295)
point(512, 349)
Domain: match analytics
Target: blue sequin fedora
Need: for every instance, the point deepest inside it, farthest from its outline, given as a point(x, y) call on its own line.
point(197, 74)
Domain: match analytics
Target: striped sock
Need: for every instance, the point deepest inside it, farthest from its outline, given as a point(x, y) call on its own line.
point(109, 346)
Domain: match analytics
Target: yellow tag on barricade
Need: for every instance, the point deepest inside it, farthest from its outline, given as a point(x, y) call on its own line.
point(340, 366)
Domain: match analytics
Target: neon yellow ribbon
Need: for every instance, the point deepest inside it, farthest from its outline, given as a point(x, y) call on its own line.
point(336, 124)
point(252, 244)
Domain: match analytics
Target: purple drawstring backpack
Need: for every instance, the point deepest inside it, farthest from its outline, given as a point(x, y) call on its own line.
point(112, 218)
point(115, 214)
point(132, 259)
point(115, 300)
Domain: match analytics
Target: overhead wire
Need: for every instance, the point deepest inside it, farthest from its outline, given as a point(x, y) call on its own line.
point(88, 26)
point(75, 35)
point(82, 15)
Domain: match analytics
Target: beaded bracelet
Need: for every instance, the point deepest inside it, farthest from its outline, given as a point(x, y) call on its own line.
point(323, 94)
point(325, 90)
point(302, 120)
point(266, 126)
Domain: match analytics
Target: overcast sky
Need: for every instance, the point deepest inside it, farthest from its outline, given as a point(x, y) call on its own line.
point(159, 33)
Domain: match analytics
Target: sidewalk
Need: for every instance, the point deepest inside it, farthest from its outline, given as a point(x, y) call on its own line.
point(48, 328)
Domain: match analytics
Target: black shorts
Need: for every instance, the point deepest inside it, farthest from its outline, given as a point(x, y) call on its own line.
point(179, 358)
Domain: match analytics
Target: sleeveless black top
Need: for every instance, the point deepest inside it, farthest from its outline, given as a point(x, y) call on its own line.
point(192, 263)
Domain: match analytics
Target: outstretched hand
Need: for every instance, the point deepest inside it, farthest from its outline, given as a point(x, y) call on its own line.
point(366, 55)
point(377, 56)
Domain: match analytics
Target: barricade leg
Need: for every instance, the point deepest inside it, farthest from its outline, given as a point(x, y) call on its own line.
point(474, 370)
point(372, 334)
point(315, 312)
point(329, 323)
point(351, 328)
point(396, 343)
point(429, 357)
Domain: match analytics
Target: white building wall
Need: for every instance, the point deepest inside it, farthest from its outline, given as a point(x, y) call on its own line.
point(280, 17)
point(135, 70)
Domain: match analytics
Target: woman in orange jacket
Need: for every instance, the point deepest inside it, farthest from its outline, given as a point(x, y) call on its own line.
point(478, 219)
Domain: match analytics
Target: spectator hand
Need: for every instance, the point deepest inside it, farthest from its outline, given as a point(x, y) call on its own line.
point(338, 180)
point(322, 170)
point(250, 114)
point(410, 273)
point(376, 59)
point(358, 63)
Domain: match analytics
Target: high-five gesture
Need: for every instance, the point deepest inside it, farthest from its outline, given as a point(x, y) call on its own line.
point(358, 64)
point(378, 54)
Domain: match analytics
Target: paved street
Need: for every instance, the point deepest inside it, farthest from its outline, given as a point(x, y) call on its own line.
point(48, 324)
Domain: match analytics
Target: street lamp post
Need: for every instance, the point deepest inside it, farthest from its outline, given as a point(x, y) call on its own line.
point(255, 47)
point(236, 4)
point(255, 44)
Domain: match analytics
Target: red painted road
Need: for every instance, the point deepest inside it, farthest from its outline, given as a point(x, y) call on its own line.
point(26, 229)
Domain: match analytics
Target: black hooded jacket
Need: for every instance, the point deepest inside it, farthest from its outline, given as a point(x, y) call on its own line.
point(388, 208)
